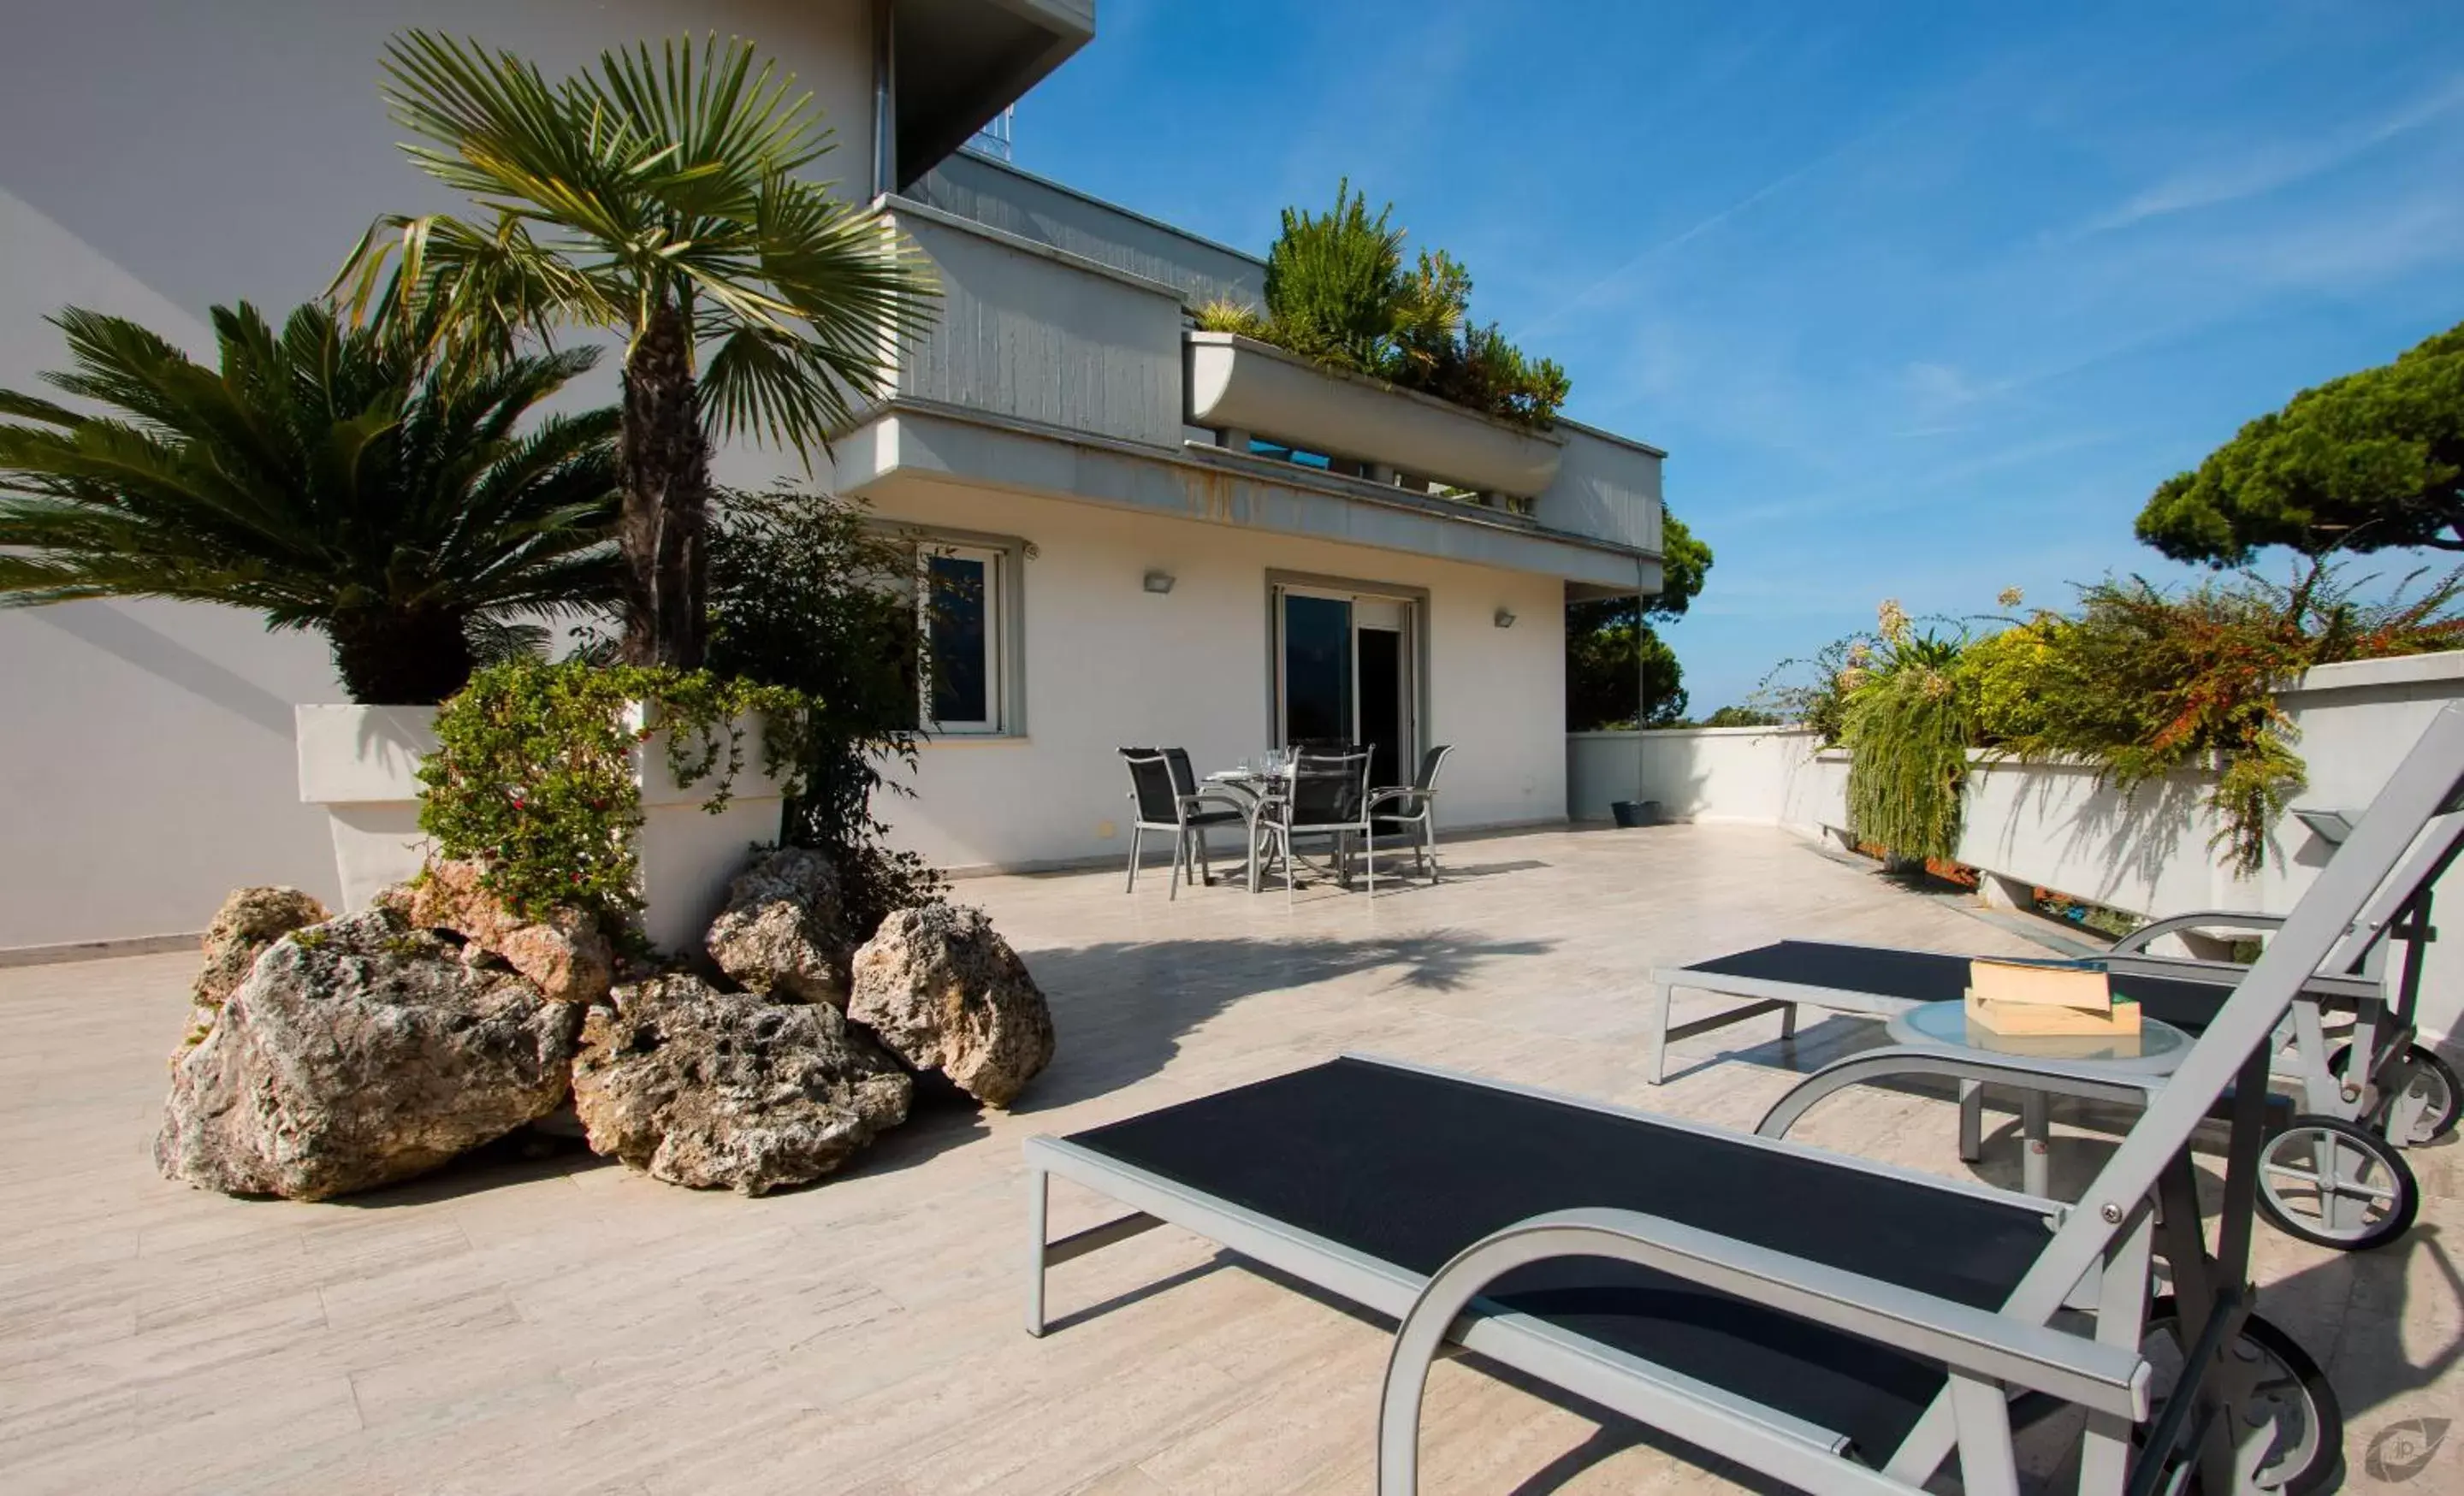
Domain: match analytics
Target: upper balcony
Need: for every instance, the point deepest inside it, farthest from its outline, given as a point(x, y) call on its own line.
point(946, 68)
point(1063, 361)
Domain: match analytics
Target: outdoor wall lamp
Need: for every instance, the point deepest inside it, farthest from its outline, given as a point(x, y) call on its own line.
point(1159, 582)
point(1504, 618)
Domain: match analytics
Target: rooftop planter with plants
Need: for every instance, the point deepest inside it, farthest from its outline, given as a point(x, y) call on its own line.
point(2136, 684)
point(1340, 301)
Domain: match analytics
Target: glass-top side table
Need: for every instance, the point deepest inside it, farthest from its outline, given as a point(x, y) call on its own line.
point(2158, 1049)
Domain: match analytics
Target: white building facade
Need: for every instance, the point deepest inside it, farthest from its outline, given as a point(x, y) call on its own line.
point(1159, 535)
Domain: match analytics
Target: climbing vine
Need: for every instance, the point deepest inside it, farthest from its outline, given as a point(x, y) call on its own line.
point(534, 776)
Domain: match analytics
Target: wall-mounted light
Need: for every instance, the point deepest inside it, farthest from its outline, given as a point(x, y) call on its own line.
point(1159, 582)
point(1504, 618)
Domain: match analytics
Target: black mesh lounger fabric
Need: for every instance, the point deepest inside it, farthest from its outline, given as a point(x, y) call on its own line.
point(1937, 977)
point(1412, 1168)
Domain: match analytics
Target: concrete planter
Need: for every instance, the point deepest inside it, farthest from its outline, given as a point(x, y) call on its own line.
point(360, 763)
point(1237, 384)
point(688, 854)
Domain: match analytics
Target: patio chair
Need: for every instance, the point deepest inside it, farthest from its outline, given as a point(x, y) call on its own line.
point(1413, 809)
point(1324, 795)
point(1833, 1323)
point(2334, 1176)
point(1162, 806)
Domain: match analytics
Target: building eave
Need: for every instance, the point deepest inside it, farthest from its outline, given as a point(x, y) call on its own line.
point(910, 440)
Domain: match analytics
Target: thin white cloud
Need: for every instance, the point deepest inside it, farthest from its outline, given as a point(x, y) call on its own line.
point(1626, 271)
point(2276, 164)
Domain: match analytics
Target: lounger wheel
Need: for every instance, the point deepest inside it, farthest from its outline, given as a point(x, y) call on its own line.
point(2432, 1094)
point(2291, 1404)
point(2333, 1184)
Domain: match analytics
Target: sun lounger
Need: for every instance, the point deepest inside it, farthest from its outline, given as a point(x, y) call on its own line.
point(1833, 1323)
point(2342, 1124)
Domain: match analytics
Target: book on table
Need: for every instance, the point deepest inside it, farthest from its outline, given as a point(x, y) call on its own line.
point(2024, 998)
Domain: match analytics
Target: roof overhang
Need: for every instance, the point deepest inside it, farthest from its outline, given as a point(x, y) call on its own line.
point(958, 64)
point(908, 442)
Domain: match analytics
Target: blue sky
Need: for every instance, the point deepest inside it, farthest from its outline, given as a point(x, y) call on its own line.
point(1922, 299)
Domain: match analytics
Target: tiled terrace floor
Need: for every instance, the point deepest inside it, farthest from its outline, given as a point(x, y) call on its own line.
point(567, 1326)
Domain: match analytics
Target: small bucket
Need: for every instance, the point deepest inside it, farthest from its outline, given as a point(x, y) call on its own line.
point(1636, 812)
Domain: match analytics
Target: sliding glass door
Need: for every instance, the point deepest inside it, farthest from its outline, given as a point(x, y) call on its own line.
point(1344, 673)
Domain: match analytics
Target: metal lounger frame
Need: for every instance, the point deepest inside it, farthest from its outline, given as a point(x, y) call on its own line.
point(2107, 1376)
point(2098, 1254)
point(2382, 1029)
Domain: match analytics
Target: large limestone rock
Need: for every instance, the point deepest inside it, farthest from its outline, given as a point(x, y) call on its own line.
point(945, 992)
point(726, 1090)
point(357, 1053)
point(566, 956)
point(248, 922)
point(784, 932)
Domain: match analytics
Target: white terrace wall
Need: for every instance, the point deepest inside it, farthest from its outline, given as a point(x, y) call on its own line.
point(2053, 826)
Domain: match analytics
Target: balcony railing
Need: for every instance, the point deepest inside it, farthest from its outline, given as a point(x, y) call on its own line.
point(995, 138)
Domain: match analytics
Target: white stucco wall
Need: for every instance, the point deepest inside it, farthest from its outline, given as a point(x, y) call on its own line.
point(1767, 774)
point(1109, 664)
point(166, 158)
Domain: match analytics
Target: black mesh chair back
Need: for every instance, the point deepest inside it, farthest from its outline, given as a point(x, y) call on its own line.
point(1329, 789)
point(1150, 784)
point(1184, 779)
point(1395, 804)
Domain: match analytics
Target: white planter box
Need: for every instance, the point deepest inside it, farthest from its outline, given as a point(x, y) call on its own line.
point(688, 854)
point(360, 763)
point(1238, 384)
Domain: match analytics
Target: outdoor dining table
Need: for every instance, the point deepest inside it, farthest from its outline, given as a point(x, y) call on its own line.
point(1259, 785)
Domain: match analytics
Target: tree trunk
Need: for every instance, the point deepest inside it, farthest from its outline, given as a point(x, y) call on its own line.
point(665, 473)
point(400, 659)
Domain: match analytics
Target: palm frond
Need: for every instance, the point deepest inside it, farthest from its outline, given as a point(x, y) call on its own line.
point(765, 383)
point(320, 473)
point(663, 179)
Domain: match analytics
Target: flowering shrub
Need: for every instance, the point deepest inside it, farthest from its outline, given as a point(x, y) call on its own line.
point(2138, 681)
point(1907, 726)
point(532, 778)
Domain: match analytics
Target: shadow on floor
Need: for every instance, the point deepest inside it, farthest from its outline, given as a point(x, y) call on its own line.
point(939, 1118)
point(520, 1157)
point(1122, 1007)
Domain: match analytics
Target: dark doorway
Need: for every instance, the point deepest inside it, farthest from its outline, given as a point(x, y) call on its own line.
point(1381, 703)
point(1317, 669)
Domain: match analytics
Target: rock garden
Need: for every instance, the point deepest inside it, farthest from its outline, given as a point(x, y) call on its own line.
point(333, 1055)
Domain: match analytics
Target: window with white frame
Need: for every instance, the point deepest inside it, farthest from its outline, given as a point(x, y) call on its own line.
point(962, 600)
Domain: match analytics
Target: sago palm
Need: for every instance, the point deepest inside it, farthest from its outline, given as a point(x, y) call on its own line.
point(656, 196)
point(339, 480)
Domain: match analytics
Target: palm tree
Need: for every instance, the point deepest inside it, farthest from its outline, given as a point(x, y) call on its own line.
point(657, 197)
point(346, 481)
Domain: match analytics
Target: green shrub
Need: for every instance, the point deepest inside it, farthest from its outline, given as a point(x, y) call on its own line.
point(2004, 674)
point(1334, 281)
point(1338, 291)
point(533, 774)
point(1234, 317)
point(809, 594)
point(1742, 717)
point(1907, 726)
point(1813, 692)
